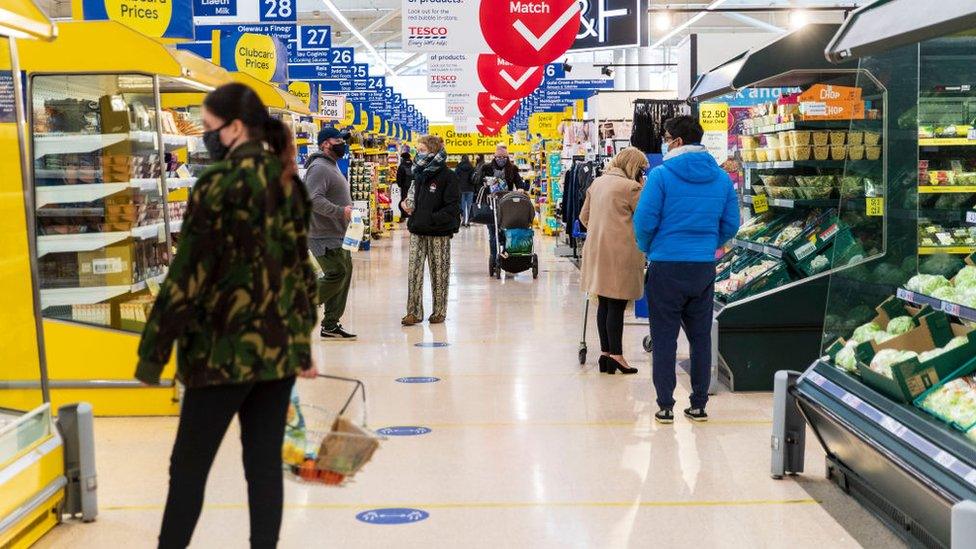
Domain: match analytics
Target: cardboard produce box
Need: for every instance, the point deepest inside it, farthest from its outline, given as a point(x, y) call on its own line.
point(912, 377)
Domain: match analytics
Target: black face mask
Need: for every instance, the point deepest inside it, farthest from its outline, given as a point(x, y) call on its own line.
point(339, 150)
point(215, 148)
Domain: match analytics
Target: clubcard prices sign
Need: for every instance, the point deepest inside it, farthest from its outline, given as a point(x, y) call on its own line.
point(153, 18)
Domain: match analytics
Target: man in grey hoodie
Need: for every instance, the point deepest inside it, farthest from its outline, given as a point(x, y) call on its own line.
point(331, 212)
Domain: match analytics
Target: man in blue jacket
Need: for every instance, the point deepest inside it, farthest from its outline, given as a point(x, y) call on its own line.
point(687, 210)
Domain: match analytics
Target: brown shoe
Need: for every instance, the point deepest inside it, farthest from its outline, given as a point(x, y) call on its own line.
point(410, 320)
point(436, 319)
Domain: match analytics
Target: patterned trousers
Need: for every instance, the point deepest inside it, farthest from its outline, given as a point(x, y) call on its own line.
point(436, 252)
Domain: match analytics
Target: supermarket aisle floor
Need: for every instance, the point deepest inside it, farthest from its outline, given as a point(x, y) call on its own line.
point(526, 449)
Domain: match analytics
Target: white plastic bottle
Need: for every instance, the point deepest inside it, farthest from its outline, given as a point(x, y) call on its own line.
point(355, 232)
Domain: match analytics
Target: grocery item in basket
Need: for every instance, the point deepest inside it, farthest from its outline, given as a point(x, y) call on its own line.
point(838, 138)
point(748, 142)
point(821, 138)
point(838, 152)
point(954, 402)
point(966, 178)
point(886, 358)
point(955, 342)
point(821, 152)
point(942, 177)
point(855, 138)
point(748, 155)
point(758, 189)
point(738, 280)
point(866, 332)
point(900, 325)
point(872, 153)
point(801, 153)
point(846, 358)
point(788, 234)
point(773, 155)
point(784, 153)
point(753, 226)
point(762, 155)
point(872, 138)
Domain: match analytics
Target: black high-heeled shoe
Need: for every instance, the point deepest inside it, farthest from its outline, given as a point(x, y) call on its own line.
point(604, 366)
point(613, 366)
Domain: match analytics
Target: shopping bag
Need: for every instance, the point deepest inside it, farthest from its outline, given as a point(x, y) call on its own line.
point(482, 212)
point(518, 241)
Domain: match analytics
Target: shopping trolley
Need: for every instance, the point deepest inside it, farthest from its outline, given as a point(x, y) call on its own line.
point(325, 447)
point(648, 342)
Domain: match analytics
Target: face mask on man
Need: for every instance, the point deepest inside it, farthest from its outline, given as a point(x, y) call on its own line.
point(215, 147)
point(338, 149)
point(501, 161)
point(666, 146)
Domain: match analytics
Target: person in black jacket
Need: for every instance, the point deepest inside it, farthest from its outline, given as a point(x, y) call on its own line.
point(465, 172)
point(433, 203)
point(404, 178)
point(501, 167)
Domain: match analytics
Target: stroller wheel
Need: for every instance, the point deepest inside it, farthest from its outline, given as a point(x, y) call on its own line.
point(582, 355)
point(491, 268)
point(535, 272)
point(648, 344)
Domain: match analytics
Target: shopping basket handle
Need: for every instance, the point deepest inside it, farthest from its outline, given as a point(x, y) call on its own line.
point(359, 387)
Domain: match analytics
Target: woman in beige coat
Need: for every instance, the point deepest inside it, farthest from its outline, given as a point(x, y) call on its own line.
point(613, 266)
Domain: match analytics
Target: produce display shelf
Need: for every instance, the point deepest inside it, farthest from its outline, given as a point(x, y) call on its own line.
point(87, 242)
point(910, 428)
point(89, 296)
point(944, 189)
point(791, 164)
point(946, 142)
point(802, 125)
point(760, 248)
point(953, 250)
point(954, 309)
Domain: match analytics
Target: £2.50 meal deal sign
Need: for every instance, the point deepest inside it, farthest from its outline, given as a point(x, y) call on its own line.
point(153, 18)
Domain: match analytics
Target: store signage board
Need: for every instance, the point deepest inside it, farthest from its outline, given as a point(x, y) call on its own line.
point(153, 18)
point(497, 109)
point(608, 24)
point(452, 72)
point(529, 33)
point(8, 104)
point(214, 8)
point(714, 118)
point(441, 26)
point(260, 55)
point(333, 106)
point(308, 92)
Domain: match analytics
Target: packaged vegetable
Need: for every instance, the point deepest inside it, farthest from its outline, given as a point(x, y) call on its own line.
point(954, 402)
point(886, 358)
point(900, 325)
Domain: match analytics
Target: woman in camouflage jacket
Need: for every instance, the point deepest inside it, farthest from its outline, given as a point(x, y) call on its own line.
point(240, 303)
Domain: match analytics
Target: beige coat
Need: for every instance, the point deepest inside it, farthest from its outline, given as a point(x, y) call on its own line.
point(613, 266)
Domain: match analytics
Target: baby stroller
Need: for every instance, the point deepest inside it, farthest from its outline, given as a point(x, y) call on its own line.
point(515, 253)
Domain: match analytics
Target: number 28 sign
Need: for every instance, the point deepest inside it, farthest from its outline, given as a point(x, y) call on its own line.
point(278, 10)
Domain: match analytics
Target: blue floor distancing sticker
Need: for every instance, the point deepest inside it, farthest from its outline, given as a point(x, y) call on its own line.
point(418, 379)
point(403, 431)
point(431, 344)
point(392, 516)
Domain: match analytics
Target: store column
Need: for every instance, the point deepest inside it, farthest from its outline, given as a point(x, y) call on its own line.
point(619, 75)
point(645, 56)
point(632, 81)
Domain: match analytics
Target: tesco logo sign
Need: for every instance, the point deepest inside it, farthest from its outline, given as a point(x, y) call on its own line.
point(427, 31)
point(443, 78)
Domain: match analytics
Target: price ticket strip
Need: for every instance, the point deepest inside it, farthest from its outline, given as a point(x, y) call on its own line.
point(909, 437)
point(954, 309)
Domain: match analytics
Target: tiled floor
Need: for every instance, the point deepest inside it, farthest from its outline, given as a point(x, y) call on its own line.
point(526, 448)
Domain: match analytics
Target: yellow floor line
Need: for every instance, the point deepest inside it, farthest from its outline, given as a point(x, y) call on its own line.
point(498, 505)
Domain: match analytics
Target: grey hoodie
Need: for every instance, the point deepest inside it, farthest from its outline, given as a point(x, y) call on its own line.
point(330, 194)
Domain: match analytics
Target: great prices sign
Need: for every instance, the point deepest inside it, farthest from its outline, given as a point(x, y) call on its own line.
point(153, 18)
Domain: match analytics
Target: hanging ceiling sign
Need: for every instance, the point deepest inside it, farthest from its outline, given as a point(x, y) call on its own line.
point(497, 109)
point(153, 18)
point(529, 33)
point(247, 11)
point(333, 106)
point(441, 26)
point(452, 72)
point(503, 79)
point(259, 55)
point(308, 92)
point(608, 24)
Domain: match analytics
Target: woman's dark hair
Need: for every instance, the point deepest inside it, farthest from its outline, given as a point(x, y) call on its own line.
point(405, 157)
point(464, 158)
point(685, 127)
point(239, 102)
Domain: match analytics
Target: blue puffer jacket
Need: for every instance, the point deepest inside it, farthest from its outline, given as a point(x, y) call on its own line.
point(688, 208)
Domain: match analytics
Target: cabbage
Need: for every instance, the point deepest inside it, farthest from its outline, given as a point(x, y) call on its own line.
point(945, 293)
point(941, 264)
point(846, 358)
point(926, 284)
point(965, 277)
point(955, 342)
point(866, 332)
point(881, 337)
point(886, 358)
point(954, 402)
point(900, 325)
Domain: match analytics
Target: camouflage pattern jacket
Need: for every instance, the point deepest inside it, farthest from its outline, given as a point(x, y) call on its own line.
point(240, 297)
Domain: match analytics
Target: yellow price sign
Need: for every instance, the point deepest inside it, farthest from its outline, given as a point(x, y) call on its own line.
point(875, 206)
point(760, 203)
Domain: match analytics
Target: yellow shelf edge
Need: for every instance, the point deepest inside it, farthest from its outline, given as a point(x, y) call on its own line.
point(931, 250)
point(946, 142)
point(946, 189)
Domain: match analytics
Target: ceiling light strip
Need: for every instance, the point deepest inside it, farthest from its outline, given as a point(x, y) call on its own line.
point(675, 31)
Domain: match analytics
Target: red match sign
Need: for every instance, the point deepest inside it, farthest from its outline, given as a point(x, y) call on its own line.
point(496, 108)
point(530, 33)
point(489, 127)
point(505, 80)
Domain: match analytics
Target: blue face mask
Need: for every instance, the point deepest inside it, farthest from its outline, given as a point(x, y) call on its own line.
point(420, 157)
point(666, 146)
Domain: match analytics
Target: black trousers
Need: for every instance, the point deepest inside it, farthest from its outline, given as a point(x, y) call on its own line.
point(610, 324)
point(206, 414)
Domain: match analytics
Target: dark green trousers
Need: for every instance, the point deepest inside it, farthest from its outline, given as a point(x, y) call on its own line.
point(334, 284)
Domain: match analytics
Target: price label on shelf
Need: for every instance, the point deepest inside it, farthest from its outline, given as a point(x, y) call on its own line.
point(760, 203)
point(893, 426)
point(944, 238)
point(905, 295)
point(971, 477)
point(804, 250)
point(970, 217)
point(875, 206)
point(851, 400)
point(950, 308)
point(972, 134)
point(945, 459)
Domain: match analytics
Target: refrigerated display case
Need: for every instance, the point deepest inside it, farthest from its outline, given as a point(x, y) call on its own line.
point(813, 200)
point(107, 158)
point(892, 401)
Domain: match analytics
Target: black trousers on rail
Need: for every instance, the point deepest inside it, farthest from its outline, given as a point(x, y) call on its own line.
point(610, 324)
point(206, 414)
